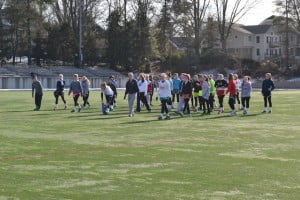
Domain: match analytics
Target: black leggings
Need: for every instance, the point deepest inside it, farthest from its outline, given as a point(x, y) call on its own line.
point(164, 107)
point(238, 97)
point(173, 97)
point(211, 101)
point(245, 102)
point(231, 101)
point(206, 105)
point(85, 98)
point(38, 100)
point(109, 100)
point(57, 95)
point(268, 99)
point(196, 99)
point(221, 100)
point(75, 98)
point(201, 102)
point(141, 97)
point(186, 106)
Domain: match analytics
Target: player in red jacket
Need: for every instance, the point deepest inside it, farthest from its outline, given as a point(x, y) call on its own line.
point(231, 90)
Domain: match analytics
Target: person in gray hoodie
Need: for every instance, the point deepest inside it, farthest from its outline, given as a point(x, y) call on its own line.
point(205, 94)
point(246, 94)
point(85, 84)
point(76, 89)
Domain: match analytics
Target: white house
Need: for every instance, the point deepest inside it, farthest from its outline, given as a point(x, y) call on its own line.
point(263, 42)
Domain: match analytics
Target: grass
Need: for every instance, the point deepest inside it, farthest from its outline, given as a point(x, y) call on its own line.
point(62, 155)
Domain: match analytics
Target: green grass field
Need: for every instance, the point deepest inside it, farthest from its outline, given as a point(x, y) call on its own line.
point(62, 155)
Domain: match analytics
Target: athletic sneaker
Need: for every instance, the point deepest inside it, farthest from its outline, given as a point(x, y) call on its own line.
point(160, 117)
point(270, 112)
point(264, 111)
point(181, 114)
point(232, 114)
point(73, 110)
point(55, 107)
point(168, 117)
point(66, 106)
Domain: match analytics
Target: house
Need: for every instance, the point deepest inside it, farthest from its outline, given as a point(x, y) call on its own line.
point(263, 42)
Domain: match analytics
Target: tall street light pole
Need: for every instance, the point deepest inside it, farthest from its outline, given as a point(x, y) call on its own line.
point(287, 34)
point(80, 53)
point(28, 33)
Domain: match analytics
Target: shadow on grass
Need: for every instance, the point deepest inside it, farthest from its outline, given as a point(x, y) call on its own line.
point(227, 116)
point(151, 120)
point(107, 117)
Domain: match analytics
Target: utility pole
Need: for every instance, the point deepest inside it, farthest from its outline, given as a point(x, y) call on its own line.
point(80, 53)
point(1, 27)
point(29, 48)
point(287, 34)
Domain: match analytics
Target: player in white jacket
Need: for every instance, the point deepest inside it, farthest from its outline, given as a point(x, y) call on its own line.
point(164, 92)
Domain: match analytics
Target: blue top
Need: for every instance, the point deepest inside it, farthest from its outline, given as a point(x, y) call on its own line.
point(176, 84)
point(85, 87)
point(267, 84)
point(75, 87)
point(246, 89)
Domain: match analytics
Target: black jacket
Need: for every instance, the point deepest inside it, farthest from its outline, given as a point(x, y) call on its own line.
point(60, 86)
point(187, 88)
point(131, 87)
point(113, 87)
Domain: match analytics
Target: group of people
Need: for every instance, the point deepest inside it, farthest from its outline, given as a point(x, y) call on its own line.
point(200, 90)
point(78, 88)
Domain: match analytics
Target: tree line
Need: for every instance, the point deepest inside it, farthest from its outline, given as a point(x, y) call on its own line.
point(127, 34)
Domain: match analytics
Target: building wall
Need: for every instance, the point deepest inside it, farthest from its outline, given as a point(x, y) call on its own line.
point(17, 82)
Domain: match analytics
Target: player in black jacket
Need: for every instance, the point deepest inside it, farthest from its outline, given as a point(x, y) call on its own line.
point(59, 92)
point(186, 93)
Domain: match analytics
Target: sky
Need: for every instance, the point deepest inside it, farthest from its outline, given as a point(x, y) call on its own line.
point(263, 10)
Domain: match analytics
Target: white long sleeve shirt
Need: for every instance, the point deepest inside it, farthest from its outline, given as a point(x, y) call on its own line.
point(164, 89)
point(143, 86)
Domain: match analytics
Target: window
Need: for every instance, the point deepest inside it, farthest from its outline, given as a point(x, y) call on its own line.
point(267, 51)
point(280, 51)
point(249, 38)
point(236, 37)
point(276, 52)
point(267, 39)
point(257, 39)
point(258, 52)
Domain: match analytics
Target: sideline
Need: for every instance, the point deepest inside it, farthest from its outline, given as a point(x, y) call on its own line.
point(52, 89)
point(122, 89)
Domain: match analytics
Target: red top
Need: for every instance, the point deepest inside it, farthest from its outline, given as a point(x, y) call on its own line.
point(231, 89)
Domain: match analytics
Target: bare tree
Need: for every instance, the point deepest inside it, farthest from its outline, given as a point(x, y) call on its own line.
point(228, 13)
point(200, 10)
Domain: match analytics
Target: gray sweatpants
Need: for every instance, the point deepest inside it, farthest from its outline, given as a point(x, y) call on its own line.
point(131, 99)
point(180, 104)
